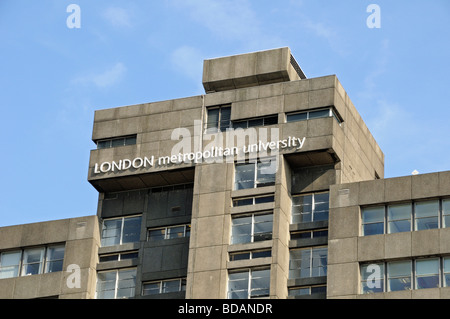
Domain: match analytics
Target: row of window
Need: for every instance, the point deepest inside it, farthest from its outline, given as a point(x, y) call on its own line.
point(219, 118)
point(115, 142)
point(405, 275)
point(405, 217)
point(31, 261)
point(242, 284)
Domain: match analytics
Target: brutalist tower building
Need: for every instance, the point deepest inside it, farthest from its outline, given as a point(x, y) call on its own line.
point(269, 185)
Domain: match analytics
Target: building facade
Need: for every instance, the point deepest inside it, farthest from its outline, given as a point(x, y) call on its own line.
point(269, 185)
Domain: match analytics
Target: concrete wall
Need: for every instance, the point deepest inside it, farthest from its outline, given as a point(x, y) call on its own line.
point(81, 239)
point(347, 248)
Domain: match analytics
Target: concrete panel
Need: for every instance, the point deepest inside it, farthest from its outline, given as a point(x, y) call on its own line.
point(343, 279)
point(342, 250)
point(371, 192)
point(444, 183)
point(397, 189)
point(344, 222)
point(209, 231)
point(398, 245)
point(425, 242)
point(424, 185)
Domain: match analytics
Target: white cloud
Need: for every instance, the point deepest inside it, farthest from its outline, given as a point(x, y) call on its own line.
point(118, 17)
point(104, 79)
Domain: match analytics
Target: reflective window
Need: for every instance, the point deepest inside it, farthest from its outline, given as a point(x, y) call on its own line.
point(308, 262)
point(310, 208)
point(305, 291)
point(164, 286)
point(427, 273)
point(10, 264)
point(218, 119)
point(399, 275)
point(55, 258)
point(251, 228)
point(399, 218)
point(116, 284)
point(122, 230)
point(262, 121)
point(255, 174)
point(373, 220)
point(372, 278)
point(117, 141)
point(446, 271)
point(446, 212)
point(314, 114)
point(245, 255)
point(32, 261)
point(426, 215)
point(249, 284)
point(169, 232)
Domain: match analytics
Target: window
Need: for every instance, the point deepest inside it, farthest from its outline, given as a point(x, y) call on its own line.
point(31, 261)
point(245, 255)
point(253, 200)
point(420, 273)
point(427, 273)
point(399, 218)
point(218, 119)
point(314, 114)
point(251, 228)
point(169, 232)
point(405, 217)
point(117, 231)
point(119, 256)
point(255, 174)
point(317, 233)
point(252, 283)
point(10, 264)
point(372, 278)
point(164, 286)
point(373, 220)
point(446, 271)
point(310, 208)
point(254, 122)
point(399, 275)
point(310, 290)
point(116, 284)
point(446, 212)
point(308, 262)
point(426, 215)
point(115, 142)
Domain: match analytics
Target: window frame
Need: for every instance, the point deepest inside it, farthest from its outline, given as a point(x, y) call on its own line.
point(166, 234)
point(293, 271)
point(218, 128)
point(248, 124)
point(160, 283)
point(122, 225)
point(43, 264)
point(251, 235)
point(256, 181)
point(313, 213)
point(116, 282)
point(125, 141)
point(249, 278)
point(331, 113)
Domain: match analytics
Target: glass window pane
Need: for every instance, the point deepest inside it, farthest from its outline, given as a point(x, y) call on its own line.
point(319, 114)
point(260, 283)
point(111, 232)
point(302, 209)
point(130, 140)
point(447, 272)
point(373, 229)
point(240, 124)
point(446, 212)
point(151, 288)
point(171, 286)
point(131, 230)
point(255, 122)
point(106, 283)
point(399, 217)
point(239, 256)
point(225, 116)
point(372, 214)
point(118, 142)
point(156, 234)
point(241, 234)
point(9, 264)
point(126, 283)
point(270, 120)
point(264, 199)
point(266, 172)
point(175, 232)
point(427, 273)
point(427, 223)
point(245, 176)
point(262, 254)
point(296, 117)
point(213, 120)
point(103, 144)
point(32, 261)
point(426, 209)
point(243, 202)
point(399, 275)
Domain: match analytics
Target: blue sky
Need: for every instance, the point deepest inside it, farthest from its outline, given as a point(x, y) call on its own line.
point(53, 78)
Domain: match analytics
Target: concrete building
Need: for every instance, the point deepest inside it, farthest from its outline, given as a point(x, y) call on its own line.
point(269, 185)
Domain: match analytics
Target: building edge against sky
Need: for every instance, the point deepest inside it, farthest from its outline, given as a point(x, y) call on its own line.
point(270, 185)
